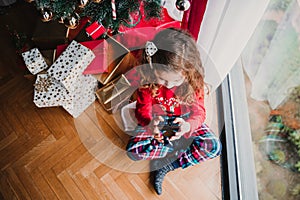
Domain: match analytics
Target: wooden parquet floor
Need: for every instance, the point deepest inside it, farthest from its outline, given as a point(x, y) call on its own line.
point(47, 154)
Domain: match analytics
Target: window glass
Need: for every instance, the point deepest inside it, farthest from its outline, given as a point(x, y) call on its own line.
point(271, 62)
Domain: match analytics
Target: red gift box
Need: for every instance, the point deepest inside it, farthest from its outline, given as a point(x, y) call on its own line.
point(95, 30)
point(99, 48)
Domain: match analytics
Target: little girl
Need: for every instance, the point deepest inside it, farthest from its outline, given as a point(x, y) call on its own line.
point(170, 107)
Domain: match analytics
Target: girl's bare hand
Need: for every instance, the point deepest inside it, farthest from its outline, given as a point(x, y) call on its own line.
point(184, 127)
point(156, 120)
point(155, 129)
point(154, 124)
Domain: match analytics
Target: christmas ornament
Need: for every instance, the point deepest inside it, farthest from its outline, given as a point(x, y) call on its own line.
point(97, 1)
point(72, 21)
point(43, 84)
point(183, 5)
point(173, 11)
point(82, 3)
point(29, 1)
point(46, 14)
point(114, 11)
point(61, 20)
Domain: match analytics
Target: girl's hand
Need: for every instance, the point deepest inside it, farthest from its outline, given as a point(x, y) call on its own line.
point(156, 120)
point(184, 127)
point(155, 130)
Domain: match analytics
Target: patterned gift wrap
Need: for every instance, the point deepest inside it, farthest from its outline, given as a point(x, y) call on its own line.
point(70, 65)
point(34, 61)
point(48, 92)
point(81, 96)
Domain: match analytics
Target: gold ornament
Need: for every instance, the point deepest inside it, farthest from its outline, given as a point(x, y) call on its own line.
point(46, 14)
point(97, 1)
point(72, 21)
point(43, 84)
point(82, 3)
point(61, 20)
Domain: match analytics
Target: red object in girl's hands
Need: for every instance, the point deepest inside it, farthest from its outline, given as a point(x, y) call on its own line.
point(95, 30)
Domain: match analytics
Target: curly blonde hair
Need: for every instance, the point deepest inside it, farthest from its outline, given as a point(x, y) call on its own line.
point(177, 52)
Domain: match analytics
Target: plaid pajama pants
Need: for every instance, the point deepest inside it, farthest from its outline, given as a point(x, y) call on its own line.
point(203, 145)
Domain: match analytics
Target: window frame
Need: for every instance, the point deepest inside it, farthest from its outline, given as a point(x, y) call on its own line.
point(239, 172)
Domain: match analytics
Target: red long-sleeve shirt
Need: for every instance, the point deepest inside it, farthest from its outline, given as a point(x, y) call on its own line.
point(165, 103)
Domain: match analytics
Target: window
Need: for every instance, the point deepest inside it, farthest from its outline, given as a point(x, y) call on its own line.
point(261, 97)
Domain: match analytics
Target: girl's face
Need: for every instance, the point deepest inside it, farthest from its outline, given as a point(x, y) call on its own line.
point(169, 79)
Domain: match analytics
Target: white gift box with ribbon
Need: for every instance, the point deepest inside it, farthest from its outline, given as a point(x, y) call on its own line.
point(64, 84)
point(48, 92)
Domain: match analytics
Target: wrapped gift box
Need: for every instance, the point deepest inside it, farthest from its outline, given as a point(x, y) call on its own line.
point(81, 96)
point(64, 84)
point(95, 30)
point(99, 48)
point(70, 65)
point(34, 61)
point(48, 92)
point(119, 61)
point(115, 94)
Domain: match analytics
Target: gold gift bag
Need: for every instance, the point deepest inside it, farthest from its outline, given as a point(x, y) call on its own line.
point(119, 59)
point(115, 94)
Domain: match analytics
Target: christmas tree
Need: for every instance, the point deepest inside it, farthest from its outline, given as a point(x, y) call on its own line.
point(110, 13)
